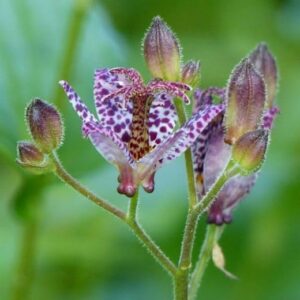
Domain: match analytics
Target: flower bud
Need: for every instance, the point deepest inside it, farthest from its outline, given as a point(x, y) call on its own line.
point(191, 73)
point(249, 151)
point(265, 64)
point(32, 159)
point(45, 125)
point(162, 51)
point(28, 153)
point(245, 100)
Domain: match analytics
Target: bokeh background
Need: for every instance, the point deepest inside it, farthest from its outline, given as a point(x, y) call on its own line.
point(56, 245)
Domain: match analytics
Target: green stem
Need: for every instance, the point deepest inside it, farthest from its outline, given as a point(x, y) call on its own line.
point(132, 209)
point(151, 246)
point(212, 235)
point(185, 261)
point(67, 178)
point(182, 277)
point(79, 12)
point(130, 218)
point(188, 241)
point(181, 286)
point(188, 157)
point(24, 275)
point(206, 201)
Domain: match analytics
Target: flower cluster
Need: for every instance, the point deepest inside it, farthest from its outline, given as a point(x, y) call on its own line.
point(135, 125)
point(241, 133)
point(134, 128)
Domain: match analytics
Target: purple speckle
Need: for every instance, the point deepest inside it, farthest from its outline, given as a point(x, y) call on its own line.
point(163, 129)
point(110, 113)
point(153, 136)
point(104, 92)
point(126, 137)
point(117, 128)
point(199, 124)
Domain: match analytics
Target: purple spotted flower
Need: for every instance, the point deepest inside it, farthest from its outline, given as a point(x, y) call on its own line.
point(135, 124)
point(211, 157)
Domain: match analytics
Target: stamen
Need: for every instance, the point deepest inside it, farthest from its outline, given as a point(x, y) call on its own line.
point(132, 74)
point(169, 87)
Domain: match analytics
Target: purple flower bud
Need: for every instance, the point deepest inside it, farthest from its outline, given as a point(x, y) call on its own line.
point(245, 100)
point(162, 51)
point(249, 151)
point(32, 159)
point(127, 183)
point(28, 153)
point(191, 73)
point(229, 197)
point(45, 125)
point(265, 64)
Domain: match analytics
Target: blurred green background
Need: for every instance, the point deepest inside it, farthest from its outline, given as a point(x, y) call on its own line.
point(70, 247)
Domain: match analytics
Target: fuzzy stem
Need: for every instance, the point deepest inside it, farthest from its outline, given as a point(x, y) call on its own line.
point(188, 157)
point(130, 218)
point(152, 247)
point(67, 178)
point(182, 280)
point(182, 277)
point(181, 286)
point(207, 200)
point(212, 235)
point(132, 209)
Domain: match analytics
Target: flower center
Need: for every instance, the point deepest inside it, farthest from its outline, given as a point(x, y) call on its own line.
point(139, 142)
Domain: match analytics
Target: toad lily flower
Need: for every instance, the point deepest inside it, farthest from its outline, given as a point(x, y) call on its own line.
point(134, 129)
point(212, 151)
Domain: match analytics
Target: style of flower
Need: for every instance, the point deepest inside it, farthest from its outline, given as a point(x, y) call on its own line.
point(211, 158)
point(134, 129)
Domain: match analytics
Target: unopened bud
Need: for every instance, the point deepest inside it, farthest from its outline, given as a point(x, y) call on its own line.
point(28, 153)
point(162, 51)
point(249, 151)
point(32, 159)
point(265, 64)
point(45, 125)
point(191, 73)
point(245, 100)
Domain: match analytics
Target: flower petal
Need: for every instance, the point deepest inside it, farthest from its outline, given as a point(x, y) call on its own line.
point(108, 144)
point(269, 117)
point(208, 140)
point(216, 156)
point(110, 111)
point(81, 109)
point(205, 97)
point(162, 119)
point(232, 193)
point(178, 142)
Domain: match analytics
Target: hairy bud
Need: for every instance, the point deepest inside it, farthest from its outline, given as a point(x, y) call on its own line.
point(28, 153)
point(249, 151)
point(162, 51)
point(191, 73)
point(45, 125)
point(32, 159)
point(245, 100)
point(265, 64)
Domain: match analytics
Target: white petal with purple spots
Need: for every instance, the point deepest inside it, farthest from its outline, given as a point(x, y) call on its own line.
point(162, 119)
point(81, 109)
point(178, 142)
point(109, 111)
point(108, 144)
